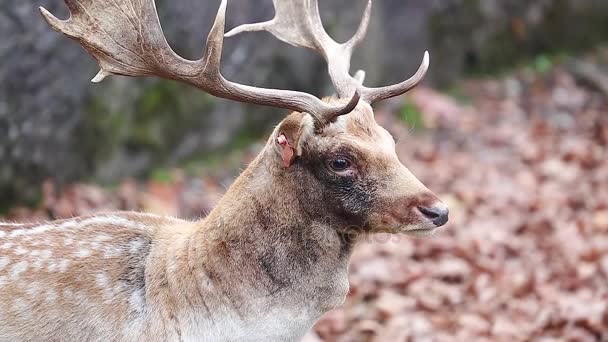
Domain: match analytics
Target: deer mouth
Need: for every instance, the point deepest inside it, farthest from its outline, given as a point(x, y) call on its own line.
point(416, 229)
point(420, 232)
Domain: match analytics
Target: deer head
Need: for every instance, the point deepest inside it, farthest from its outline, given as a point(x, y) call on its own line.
point(349, 174)
point(330, 151)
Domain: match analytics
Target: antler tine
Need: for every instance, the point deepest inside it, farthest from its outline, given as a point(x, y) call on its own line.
point(363, 26)
point(126, 38)
point(372, 95)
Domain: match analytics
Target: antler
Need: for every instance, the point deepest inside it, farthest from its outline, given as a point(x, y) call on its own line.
point(298, 22)
point(126, 38)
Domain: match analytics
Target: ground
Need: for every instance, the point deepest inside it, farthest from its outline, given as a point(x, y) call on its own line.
point(522, 162)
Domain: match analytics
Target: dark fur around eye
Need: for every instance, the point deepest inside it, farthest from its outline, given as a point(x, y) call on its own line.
point(350, 195)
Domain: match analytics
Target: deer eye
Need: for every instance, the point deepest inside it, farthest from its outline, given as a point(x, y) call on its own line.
point(339, 164)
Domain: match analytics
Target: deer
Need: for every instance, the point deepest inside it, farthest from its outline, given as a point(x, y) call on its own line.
point(273, 254)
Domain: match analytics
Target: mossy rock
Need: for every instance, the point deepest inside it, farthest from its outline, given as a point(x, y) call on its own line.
point(488, 37)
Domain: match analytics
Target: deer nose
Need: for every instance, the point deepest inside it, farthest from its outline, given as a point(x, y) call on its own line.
point(438, 214)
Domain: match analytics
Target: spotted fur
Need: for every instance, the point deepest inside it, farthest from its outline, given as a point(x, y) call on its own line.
point(268, 261)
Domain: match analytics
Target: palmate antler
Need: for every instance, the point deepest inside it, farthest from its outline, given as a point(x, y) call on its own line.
point(126, 38)
point(298, 22)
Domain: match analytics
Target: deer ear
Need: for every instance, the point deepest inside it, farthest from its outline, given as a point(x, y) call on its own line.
point(290, 136)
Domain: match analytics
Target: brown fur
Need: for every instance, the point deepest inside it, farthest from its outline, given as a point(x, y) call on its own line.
point(280, 239)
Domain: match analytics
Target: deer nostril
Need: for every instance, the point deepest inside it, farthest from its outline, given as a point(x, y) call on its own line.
point(437, 214)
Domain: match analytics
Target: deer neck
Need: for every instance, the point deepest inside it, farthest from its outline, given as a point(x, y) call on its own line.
point(262, 239)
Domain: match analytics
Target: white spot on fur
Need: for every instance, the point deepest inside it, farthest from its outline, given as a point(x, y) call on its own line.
point(68, 241)
point(63, 265)
point(45, 254)
point(7, 245)
point(20, 250)
point(22, 308)
point(102, 280)
point(83, 253)
point(52, 267)
point(2, 234)
point(18, 268)
point(51, 296)
point(40, 229)
point(108, 291)
point(36, 230)
point(103, 238)
point(136, 301)
point(3, 281)
point(33, 289)
point(135, 246)
point(111, 252)
point(112, 220)
point(4, 261)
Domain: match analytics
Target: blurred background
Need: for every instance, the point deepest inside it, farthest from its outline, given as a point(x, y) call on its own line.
point(510, 128)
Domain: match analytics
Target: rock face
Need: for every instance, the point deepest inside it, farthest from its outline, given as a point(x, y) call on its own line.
point(54, 123)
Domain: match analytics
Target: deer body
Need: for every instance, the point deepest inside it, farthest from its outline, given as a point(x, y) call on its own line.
point(246, 272)
point(272, 257)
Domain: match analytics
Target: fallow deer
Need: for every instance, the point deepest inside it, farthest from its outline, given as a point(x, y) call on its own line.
point(272, 256)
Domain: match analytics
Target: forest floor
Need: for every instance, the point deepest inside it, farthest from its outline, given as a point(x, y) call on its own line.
point(522, 161)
